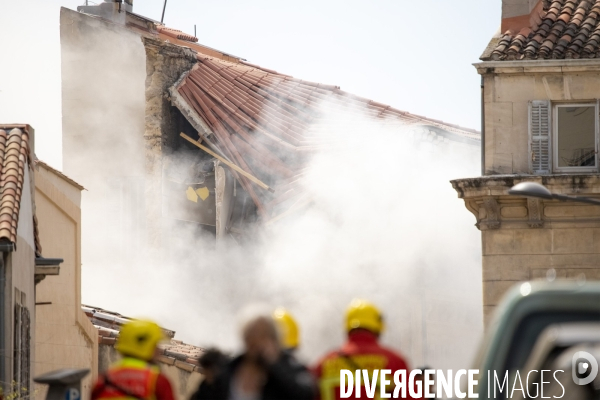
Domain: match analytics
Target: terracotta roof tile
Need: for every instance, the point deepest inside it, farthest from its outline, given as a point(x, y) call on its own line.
point(269, 123)
point(14, 155)
point(568, 29)
point(175, 33)
point(172, 352)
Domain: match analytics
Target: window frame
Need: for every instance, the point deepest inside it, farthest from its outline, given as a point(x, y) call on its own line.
point(554, 130)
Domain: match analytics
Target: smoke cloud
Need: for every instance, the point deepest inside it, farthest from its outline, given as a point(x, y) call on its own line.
point(384, 224)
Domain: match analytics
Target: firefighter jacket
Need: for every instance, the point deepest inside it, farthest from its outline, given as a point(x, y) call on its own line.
point(361, 351)
point(131, 378)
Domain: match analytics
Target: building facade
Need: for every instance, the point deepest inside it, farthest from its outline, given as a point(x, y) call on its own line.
point(64, 338)
point(541, 92)
point(21, 261)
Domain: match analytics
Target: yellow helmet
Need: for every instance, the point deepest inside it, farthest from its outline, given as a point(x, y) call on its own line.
point(290, 336)
point(139, 338)
point(363, 314)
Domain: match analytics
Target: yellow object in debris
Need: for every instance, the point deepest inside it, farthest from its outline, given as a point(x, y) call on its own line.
point(203, 193)
point(191, 194)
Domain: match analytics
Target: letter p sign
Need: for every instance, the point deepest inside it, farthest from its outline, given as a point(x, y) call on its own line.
point(72, 394)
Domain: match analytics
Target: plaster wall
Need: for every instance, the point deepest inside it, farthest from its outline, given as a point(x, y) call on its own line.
point(103, 67)
point(21, 287)
point(103, 73)
point(506, 100)
point(65, 338)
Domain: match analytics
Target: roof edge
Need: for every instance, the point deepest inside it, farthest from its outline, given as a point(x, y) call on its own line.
point(58, 173)
point(492, 44)
point(560, 65)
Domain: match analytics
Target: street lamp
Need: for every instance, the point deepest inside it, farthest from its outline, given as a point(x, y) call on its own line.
point(533, 189)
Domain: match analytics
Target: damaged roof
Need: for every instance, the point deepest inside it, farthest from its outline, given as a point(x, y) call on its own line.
point(171, 352)
point(148, 27)
point(565, 29)
point(267, 123)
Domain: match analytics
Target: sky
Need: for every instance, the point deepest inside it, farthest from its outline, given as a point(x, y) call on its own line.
point(413, 55)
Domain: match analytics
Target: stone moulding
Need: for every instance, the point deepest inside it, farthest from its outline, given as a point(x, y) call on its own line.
point(534, 211)
point(488, 200)
point(492, 212)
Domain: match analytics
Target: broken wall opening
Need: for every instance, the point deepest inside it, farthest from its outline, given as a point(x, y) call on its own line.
point(194, 200)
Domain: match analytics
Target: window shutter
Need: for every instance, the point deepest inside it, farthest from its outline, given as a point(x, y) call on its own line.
point(540, 159)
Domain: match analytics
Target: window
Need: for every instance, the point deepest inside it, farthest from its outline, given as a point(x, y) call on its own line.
point(563, 137)
point(21, 347)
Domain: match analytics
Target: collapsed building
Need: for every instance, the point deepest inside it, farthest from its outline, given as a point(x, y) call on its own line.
point(132, 86)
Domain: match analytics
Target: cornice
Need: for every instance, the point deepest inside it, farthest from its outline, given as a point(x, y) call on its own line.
point(488, 200)
point(537, 66)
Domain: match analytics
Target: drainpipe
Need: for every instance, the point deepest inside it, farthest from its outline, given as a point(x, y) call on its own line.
point(482, 127)
point(2, 321)
point(5, 248)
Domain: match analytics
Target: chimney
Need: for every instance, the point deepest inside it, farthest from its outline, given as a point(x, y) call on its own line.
point(519, 14)
point(114, 10)
point(127, 5)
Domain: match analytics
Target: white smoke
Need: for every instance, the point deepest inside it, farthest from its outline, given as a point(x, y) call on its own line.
point(384, 225)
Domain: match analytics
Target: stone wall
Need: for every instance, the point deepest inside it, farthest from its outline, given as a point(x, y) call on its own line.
point(524, 239)
point(509, 86)
point(165, 63)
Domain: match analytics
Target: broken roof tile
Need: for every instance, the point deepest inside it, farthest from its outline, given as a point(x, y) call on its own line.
point(172, 352)
point(268, 123)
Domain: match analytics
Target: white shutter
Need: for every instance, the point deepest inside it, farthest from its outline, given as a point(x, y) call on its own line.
point(540, 155)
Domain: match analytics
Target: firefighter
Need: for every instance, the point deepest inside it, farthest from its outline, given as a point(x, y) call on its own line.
point(135, 375)
point(364, 324)
point(288, 329)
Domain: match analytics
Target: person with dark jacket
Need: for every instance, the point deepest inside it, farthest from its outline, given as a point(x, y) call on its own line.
point(264, 371)
point(213, 361)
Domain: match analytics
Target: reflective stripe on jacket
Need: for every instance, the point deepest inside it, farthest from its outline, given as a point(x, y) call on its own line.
point(362, 351)
point(128, 379)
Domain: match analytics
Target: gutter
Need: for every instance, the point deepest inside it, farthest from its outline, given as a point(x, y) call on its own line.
point(3, 377)
point(482, 127)
point(41, 261)
point(45, 267)
point(5, 248)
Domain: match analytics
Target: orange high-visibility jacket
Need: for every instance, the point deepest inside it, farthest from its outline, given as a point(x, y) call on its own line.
point(131, 378)
point(362, 351)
